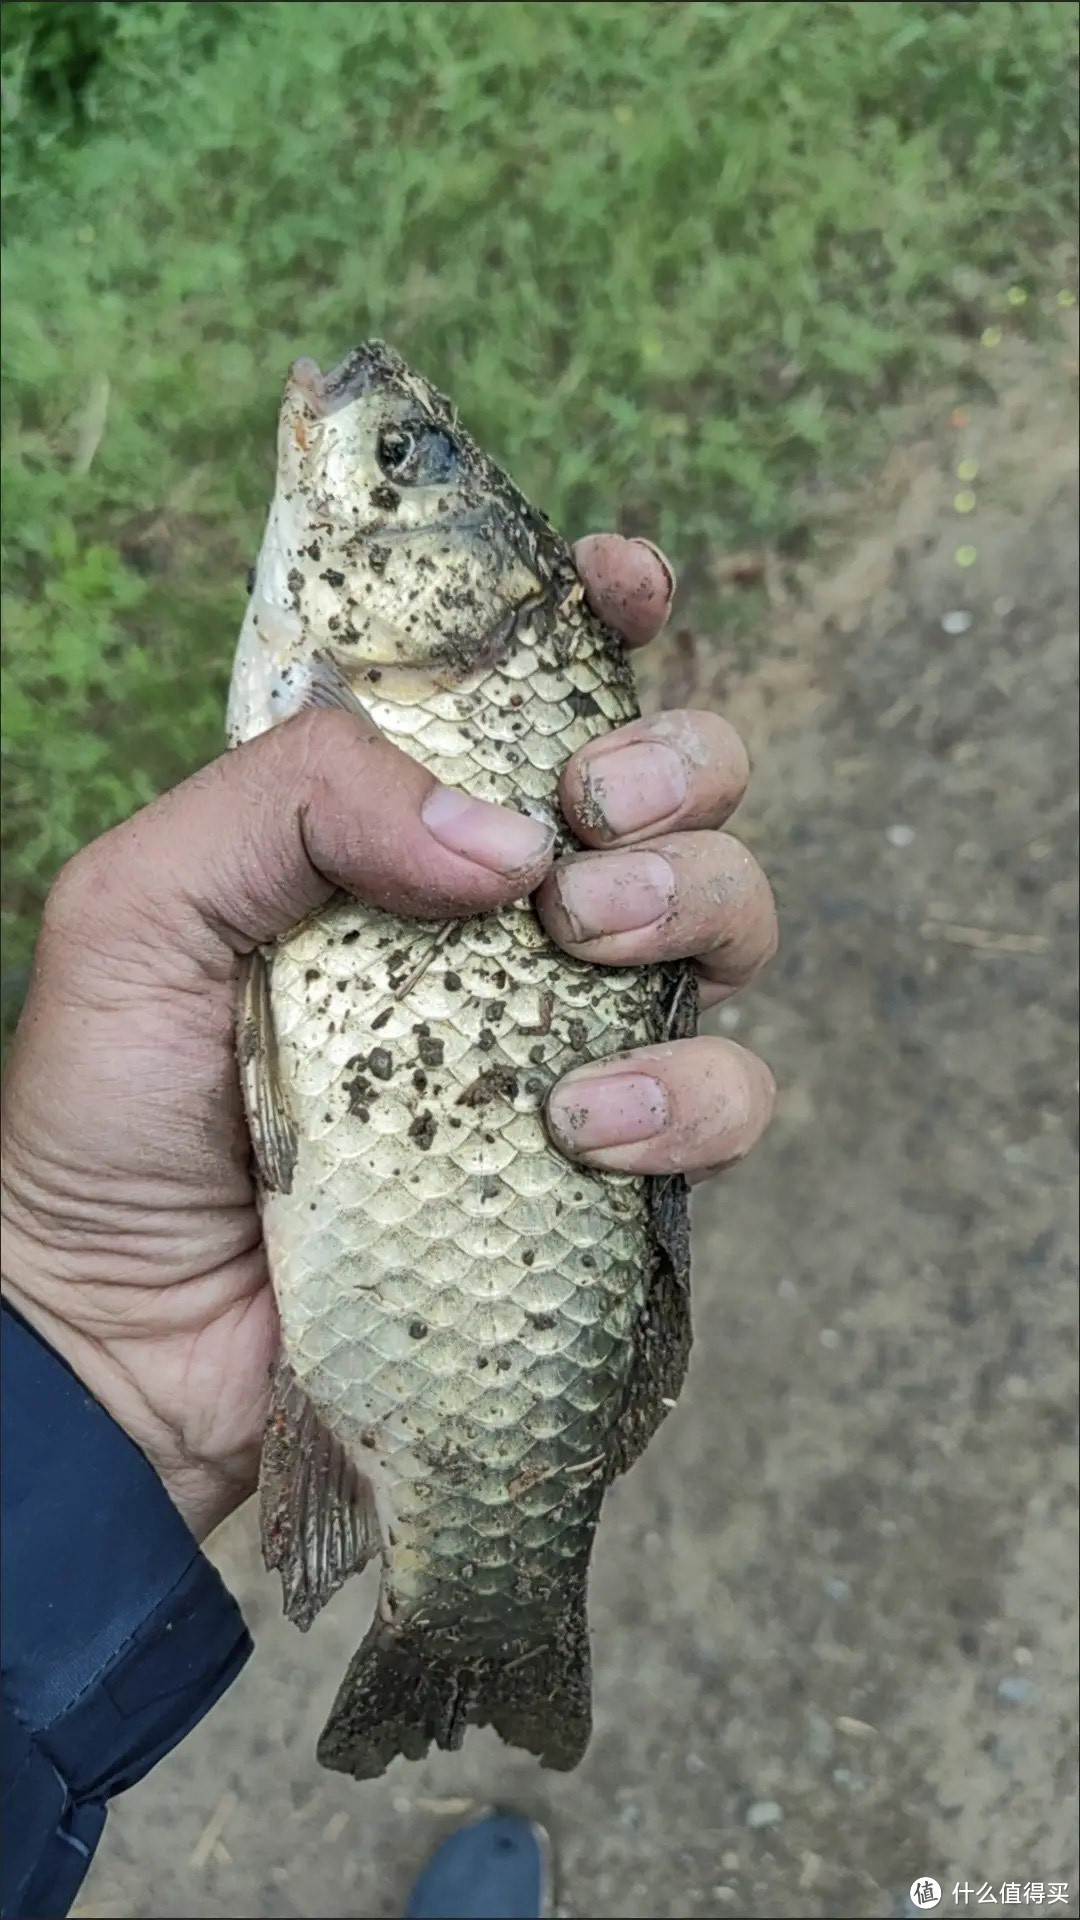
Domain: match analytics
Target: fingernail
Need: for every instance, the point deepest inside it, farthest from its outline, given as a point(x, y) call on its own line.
point(614, 892)
point(592, 1110)
point(635, 786)
point(662, 562)
point(495, 837)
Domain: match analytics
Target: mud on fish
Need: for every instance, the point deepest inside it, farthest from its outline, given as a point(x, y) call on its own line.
point(476, 1336)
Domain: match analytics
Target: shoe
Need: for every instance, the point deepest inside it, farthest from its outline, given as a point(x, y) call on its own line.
point(497, 1867)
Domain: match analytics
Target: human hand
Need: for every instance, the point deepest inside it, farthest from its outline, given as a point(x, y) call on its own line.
point(131, 1236)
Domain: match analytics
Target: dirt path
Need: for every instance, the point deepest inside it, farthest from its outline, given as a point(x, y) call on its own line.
point(834, 1608)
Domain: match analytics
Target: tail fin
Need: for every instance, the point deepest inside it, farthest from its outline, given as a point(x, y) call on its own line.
point(410, 1685)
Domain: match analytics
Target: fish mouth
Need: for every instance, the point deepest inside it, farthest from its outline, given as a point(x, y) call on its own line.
point(371, 368)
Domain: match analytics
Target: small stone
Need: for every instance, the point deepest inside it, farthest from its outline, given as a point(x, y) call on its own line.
point(727, 1894)
point(836, 1588)
point(829, 1339)
point(695, 1764)
point(809, 1871)
point(764, 1813)
point(729, 1861)
point(1015, 1690)
point(787, 1290)
point(899, 836)
point(1022, 1656)
point(956, 622)
point(1003, 606)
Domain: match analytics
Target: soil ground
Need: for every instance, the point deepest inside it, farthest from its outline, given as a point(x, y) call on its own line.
point(834, 1608)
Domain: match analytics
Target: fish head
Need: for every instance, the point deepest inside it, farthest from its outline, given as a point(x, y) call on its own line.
point(394, 542)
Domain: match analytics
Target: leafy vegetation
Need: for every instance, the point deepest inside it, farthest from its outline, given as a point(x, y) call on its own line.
point(673, 260)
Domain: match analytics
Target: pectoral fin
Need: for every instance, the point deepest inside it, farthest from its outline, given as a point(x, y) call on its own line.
point(327, 686)
point(270, 1121)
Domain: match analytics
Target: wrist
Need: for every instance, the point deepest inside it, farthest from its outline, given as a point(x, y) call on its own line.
point(118, 1634)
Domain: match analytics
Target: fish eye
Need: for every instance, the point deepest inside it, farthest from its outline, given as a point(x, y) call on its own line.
point(416, 454)
point(396, 447)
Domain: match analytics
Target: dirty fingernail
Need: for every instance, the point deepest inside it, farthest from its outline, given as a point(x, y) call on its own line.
point(635, 786)
point(614, 892)
point(495, 837)
point(592, 1110)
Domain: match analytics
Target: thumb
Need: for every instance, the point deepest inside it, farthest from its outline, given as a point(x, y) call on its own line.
point(241, 852)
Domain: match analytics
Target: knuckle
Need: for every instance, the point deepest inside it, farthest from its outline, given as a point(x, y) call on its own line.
point(732, 756)
point(744, 1095)
point(325, 730)
point(315, 744)
point(74, 899)
point(736, 860)
point(767, 1086)
point(738, 1071)
point(758, 1092)
point(727, 881)
point(743, 885)
point(711, 747)
point(741, 1092)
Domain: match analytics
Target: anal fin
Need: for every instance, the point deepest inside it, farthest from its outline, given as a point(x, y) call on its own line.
point(663, 1335)
point(316, 1508)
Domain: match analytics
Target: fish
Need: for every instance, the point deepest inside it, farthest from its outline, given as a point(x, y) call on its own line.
point(476, 1335)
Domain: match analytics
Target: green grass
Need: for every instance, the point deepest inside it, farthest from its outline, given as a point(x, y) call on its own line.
point(674, 261)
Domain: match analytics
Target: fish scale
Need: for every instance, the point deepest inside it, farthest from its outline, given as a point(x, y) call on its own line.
point(476, 1332)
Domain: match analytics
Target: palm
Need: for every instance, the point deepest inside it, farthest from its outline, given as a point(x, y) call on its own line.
point(156, 1245)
